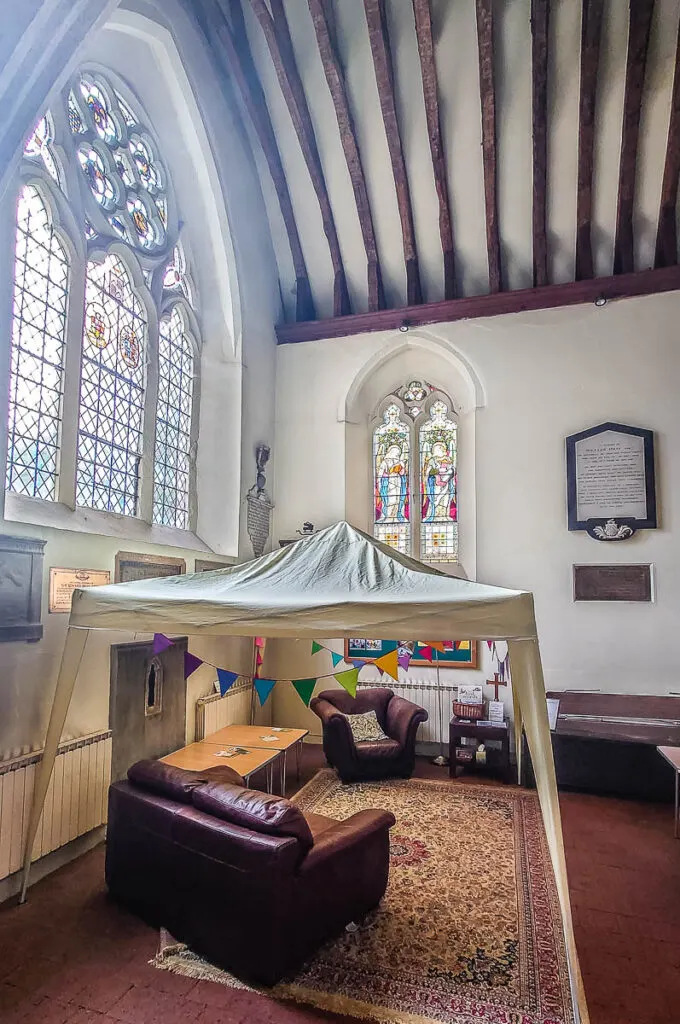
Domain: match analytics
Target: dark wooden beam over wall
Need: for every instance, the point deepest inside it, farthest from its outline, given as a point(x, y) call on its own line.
point(428, 69)
point(550, 296)
point(230, 45)
point(488, 99)
point(281, 50)
point(540, 14)
point(382, 62)
point(667, 233)
point(639, 24)
point(336, 84)
point(591, 27)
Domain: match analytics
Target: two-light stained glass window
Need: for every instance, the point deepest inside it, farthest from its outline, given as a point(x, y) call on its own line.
point(121, 334)
point(172, 457)
point(41, 280)
point(415, 452)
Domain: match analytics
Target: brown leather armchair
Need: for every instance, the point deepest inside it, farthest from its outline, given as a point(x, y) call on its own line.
point(242, 877)
point(375, 759)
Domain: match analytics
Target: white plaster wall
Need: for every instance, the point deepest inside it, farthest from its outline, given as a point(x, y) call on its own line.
point(542, 375)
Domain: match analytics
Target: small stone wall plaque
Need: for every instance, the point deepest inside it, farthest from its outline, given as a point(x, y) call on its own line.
point(132, 565)
point(21, 571)
point(64, 581)
point(613, 582)
point(204, 565)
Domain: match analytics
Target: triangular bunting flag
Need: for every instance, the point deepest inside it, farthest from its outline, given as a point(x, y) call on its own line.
point(349, 680)
point(305, 689)
point(263, 687)
point(226, 679)
point(191, 663)
point(438, 645)
point(316, 647)
point(463, 645)
point(358, 663)
point(336, 659)
point(404, 660)
point(258, 658)
point(389, 663)
point(160, 643)
point(426, 652)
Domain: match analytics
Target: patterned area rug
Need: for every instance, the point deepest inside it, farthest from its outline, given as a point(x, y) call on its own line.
point(469, 931)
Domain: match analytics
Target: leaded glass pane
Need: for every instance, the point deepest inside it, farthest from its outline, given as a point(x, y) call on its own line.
point(37, 355)
point(392, 516)
point(438, 487)
point(172, 455)
point(111, 391)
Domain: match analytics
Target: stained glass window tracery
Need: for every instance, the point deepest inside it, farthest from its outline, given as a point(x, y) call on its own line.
point(38, 347)
point(111, 391)
point(172, 456)
point(39, 145)
point(391, 450)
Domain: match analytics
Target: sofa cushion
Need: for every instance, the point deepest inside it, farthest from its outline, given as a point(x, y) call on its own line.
point(365, 727)
point(260, 812)
point(178, 783)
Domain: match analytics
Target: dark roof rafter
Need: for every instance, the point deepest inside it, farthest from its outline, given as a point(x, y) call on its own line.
point(639, 24)
point(428, 69)
point(591, 26)
point(667, 233)
point(276, 33)
point(540, 14)
point(488, 100)
point(336, 85)
point(380, 48)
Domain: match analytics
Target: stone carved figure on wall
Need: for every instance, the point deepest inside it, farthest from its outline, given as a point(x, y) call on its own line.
point(259, 503)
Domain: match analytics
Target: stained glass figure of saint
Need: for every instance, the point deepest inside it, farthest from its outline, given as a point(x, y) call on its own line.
point(391, 480)
point(439, 511)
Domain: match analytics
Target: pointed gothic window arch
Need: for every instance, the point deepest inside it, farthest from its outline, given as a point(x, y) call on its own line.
point(115, 306)
point(415, 474)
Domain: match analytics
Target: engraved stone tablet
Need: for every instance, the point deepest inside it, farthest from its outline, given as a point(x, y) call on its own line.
point(612, 582)
point(204, 565)
point(131, 565)
point(610, 481)
point(64, 581)
point(21, 565)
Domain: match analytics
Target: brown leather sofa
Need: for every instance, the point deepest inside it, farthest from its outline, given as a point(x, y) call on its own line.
point(242, 877)
point(375, 759)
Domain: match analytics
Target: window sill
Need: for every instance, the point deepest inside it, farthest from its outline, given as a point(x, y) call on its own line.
point(36, 512)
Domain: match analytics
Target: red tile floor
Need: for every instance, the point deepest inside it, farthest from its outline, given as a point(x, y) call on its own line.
point(69, 956)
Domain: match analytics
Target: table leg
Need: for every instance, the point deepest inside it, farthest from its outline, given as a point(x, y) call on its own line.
point(283, 772)
point(298, 751)
point(677, 800)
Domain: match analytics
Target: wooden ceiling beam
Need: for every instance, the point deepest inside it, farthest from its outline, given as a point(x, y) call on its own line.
point(277, 36)
point(591, 28)
point(551, 296)
point(667, 232)
point(231, 48)
point(382, 62)
point(488, 101)
point(639, 24)
point(540, 15)
point(428, 69)
point(336, 85)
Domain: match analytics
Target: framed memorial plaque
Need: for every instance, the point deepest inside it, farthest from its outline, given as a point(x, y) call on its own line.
point(131, 565)
point(205, 565)
point(64, 581)
point(613, 582)
point(21, 574)
point(611, 489)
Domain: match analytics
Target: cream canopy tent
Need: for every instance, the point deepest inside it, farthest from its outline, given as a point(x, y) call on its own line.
point(338, 583)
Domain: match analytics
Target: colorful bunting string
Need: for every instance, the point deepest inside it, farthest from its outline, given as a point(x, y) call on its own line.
point(226, 679)
point(304, 689)
point(263, 687)
point(161, 643)
point(349, 679)
point(389, 663)
point(191, 663)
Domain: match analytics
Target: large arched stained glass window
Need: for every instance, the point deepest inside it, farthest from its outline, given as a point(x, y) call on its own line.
point(38, 347)
point(111, 391)
point(438, 486)
point(172, 456)
point(391, 450)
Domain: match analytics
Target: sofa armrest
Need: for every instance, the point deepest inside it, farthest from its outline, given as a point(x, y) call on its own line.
point(403, 719)
point(344, 835)
point(332, 719)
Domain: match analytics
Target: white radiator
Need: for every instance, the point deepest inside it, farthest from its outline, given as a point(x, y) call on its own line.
point(76, 800)
point(215, 711)
point(427, 696)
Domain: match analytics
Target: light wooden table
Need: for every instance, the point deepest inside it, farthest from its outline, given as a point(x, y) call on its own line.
point(672, 755)
point(205, 754)
point(265, 738)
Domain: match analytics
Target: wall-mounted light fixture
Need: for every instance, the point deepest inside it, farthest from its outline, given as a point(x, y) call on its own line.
point(404, 326)
point(600, 301)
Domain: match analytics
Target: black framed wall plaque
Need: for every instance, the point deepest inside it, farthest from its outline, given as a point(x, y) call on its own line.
point(611, 488)
point(133, 565)
point(21, 575)
point(613, 582)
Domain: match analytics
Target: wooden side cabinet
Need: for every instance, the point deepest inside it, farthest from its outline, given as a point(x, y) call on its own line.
point(21, 575)
point(497, 755)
